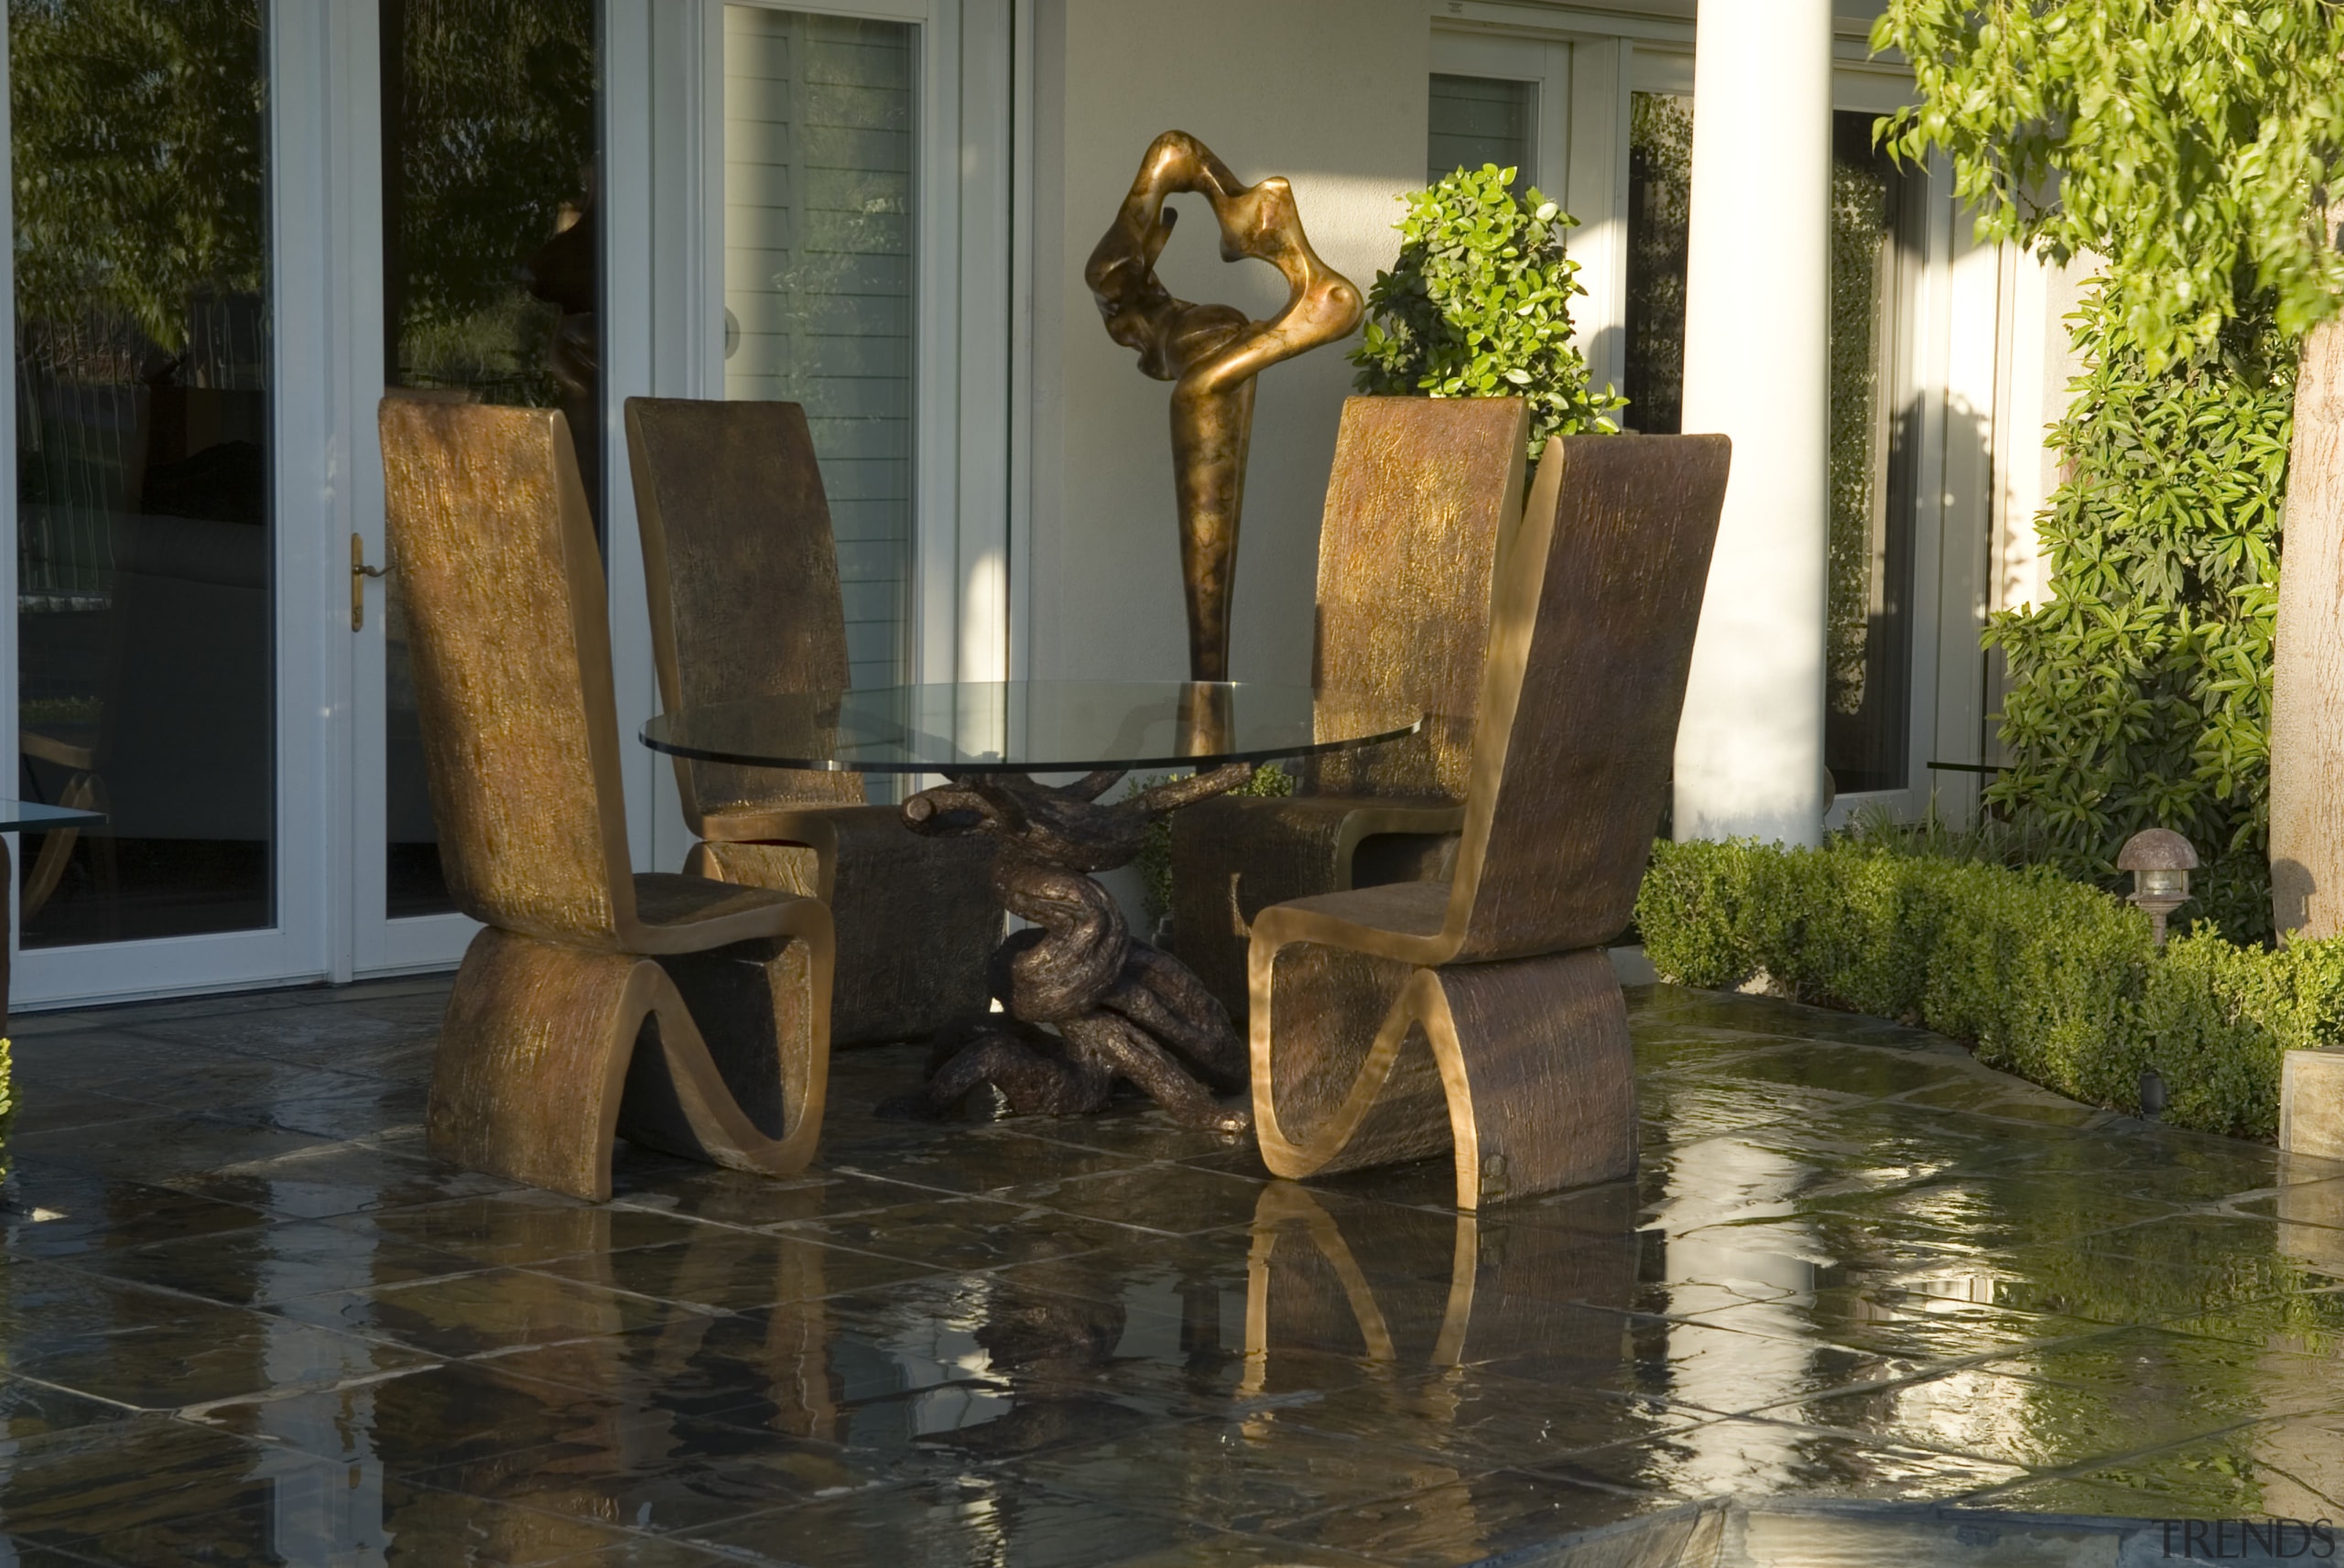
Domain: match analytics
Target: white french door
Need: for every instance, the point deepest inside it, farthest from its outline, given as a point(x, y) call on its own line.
point(193, 429)
point(174, 419)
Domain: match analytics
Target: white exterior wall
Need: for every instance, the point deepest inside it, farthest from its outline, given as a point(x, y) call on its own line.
point(1330, 93)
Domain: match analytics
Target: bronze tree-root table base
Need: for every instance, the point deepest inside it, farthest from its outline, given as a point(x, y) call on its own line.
point(1086, 1002)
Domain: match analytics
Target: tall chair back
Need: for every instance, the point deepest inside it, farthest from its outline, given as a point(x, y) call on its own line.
point(1590, 646)
point(742, 576)
point(489, 529)
point(1422, 492)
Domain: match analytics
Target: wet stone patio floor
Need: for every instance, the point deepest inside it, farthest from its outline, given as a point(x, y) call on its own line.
point(247, 1318)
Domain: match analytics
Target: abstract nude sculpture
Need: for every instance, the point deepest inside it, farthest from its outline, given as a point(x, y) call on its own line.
point(1211, 353)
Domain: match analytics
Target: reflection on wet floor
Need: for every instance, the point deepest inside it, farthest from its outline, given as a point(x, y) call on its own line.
point(247, 1319)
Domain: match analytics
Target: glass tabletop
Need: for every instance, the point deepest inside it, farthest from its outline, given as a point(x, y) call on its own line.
point(31, 816)
point(1038, 726)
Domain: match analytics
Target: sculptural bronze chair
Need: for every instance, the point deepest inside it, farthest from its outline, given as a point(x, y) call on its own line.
point(1421, 493)
point(743, 579)
point(570, 1020)
point(1480, 1013)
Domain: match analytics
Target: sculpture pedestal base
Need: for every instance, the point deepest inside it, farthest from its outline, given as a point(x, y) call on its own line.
point(1086, 1003)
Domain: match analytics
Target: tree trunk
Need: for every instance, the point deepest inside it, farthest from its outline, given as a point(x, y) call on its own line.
point(2307, 662)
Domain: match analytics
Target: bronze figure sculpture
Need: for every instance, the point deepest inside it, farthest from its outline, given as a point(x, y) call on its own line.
point(740, 567)
point(1480, 1013)
point(1423, 490)
point(1211, 353)
point(545, 1054)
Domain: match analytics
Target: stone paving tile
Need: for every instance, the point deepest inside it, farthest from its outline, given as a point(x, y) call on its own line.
point(1750, 1458)
point(723, 1269)
point(963, 1233)
point(2290, 1468)
point(466, 1314)
point(986, 1519)
point(1495, 1514)
point(48, 1210)
point(521, 1226)
point(1853, 1264)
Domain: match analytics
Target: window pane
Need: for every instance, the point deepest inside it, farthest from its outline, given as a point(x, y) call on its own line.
point(1478, 120)
point(144, 624)
point(491, 279)
point(819, 187)
point(1660, 206)
point(1868, 702)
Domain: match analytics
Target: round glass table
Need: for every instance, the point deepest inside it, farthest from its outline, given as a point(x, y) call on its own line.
point(1085, 1002)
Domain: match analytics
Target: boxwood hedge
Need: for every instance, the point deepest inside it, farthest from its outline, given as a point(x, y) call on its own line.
point(2042, 976)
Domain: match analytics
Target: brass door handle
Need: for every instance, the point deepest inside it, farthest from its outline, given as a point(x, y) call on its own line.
point(359, 572)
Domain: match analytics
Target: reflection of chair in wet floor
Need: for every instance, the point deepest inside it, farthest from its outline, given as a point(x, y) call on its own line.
point(1409, 1288)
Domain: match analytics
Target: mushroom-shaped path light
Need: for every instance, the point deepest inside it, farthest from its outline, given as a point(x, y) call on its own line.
point(2160, 860)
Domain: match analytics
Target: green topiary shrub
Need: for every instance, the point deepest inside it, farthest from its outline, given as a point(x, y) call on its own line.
point(1479, 305)
point(2044, 977)
point(2140, 693)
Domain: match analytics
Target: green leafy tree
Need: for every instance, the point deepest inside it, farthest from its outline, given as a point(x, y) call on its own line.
point(137, 134)
point(2192, 146)
point(491, 128)
point(2140, 695)
point(1479, 305)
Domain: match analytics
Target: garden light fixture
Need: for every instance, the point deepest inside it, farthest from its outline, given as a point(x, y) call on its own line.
point(2160, 860)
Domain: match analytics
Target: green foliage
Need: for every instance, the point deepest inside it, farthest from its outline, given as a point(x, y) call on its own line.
point(2140, 695)
point(1155, 862)
point(1479, 305)
point(496, 113)
point(2189, 142)
point(138, 135)
point(2044, 977)
point(494, 140)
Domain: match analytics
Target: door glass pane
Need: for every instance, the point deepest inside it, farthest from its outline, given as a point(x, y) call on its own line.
point(491, 280)
point(1867, 712)
point(142, 459)
point(818, 188)
point(1660, 208)
point(1478, 120)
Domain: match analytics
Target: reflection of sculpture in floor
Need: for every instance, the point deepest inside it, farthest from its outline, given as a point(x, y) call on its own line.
point(1047, 1347)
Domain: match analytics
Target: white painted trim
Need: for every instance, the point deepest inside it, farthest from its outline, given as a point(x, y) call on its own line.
point(1546, 63)
point(1537, 20)
point(11, 664)
point(1018, 585)
point(1596, 193)
point(375, 944)
point(635, 53)
point(988, 316)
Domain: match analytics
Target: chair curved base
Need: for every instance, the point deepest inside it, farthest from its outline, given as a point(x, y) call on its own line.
point(1531, 1059)
point(538, 1066)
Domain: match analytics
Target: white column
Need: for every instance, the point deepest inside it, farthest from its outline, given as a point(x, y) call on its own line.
point(1757, 297)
